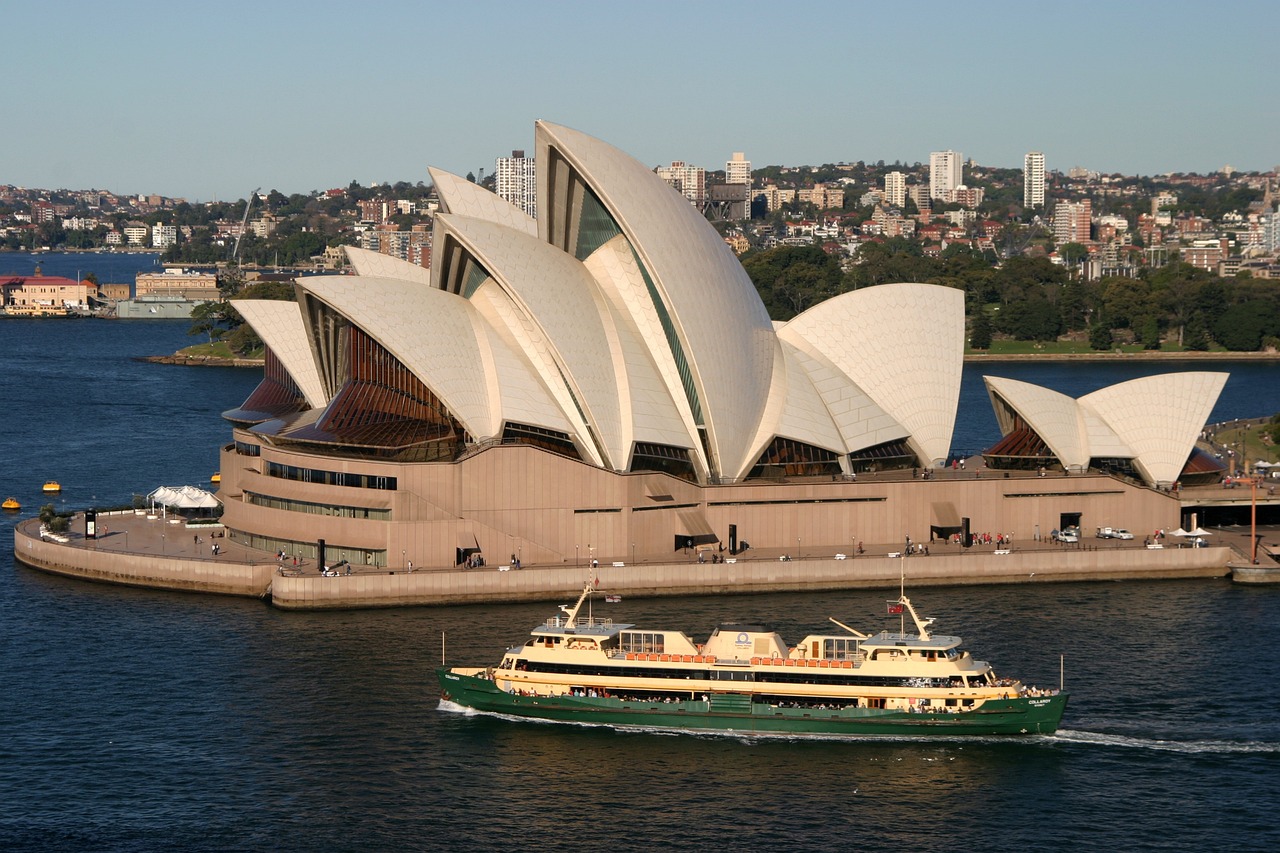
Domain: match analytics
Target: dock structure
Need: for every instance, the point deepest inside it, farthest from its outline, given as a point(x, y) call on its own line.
point(158, 553)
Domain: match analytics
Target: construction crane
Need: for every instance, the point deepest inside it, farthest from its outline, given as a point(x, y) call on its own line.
point(244, 221)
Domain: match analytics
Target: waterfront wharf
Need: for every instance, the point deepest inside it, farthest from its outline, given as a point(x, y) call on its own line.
point(162, 553)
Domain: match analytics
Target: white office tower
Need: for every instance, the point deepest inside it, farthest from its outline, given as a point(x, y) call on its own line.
point(1033, 179)
point(946, 172)
point(517, 181)
point(895, 189)
point(738, 170)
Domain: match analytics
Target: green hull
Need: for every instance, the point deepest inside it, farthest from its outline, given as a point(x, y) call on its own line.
point(736, 713)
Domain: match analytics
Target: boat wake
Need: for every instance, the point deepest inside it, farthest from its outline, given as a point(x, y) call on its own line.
point(1210, 747)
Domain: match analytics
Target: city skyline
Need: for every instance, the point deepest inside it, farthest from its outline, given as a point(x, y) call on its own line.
point(301, 97)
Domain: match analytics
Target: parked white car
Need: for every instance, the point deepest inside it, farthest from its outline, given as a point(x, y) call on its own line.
point(1121, 533)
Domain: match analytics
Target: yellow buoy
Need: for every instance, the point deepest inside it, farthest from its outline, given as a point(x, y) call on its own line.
point(216, 478)
point(11, 503)
point(52, 486)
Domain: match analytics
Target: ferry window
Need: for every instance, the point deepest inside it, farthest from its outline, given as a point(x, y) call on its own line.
point(840, 648)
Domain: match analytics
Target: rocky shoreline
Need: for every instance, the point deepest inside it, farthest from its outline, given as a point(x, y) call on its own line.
point(200, 360)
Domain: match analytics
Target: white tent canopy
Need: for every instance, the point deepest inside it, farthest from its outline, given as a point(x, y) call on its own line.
point(182, 497)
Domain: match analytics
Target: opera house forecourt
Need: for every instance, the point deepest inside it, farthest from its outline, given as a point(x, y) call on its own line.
point(603, 383)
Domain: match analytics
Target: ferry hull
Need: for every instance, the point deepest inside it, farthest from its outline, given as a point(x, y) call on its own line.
point(1022, 716)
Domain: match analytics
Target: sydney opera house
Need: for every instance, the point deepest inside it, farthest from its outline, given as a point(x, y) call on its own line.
point(603, 382)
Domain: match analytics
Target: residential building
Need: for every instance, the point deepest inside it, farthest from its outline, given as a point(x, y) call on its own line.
point(775, 197)
point(946, 172)
point(689, 181)
point(821, 196)
point(895, 189)
point(1071, 221)
point(919, 193)
point(970, 197)
point(1033, 179)
point(516, 179)
point(376, 211)
point(163, 236)
point(135, 234)
point(738, 169)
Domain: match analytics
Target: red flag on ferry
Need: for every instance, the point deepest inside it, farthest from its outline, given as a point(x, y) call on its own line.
point(894, 608)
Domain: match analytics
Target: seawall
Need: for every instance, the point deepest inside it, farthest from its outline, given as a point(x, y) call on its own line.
point(314, 592)
point(153, 571)
point(292, 590)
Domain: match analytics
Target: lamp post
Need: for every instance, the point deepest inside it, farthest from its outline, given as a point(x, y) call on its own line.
point(799, 550)
point(403, 557)
point(633, 552)
point(576, 553)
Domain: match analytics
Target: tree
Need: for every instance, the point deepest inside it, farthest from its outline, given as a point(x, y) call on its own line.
point(1072, 254)
point(980, 333)
point(1032, 319)
point(1100, 336)
point(1241, 327)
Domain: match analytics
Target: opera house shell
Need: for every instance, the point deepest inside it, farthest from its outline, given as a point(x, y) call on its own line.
point(1144, 428)
point(602, 382)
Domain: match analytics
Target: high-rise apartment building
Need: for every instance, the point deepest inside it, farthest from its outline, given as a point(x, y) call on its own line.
point(689, 181)
point(1033, 179)
point(1071, 220)
point(946, 172)
point(516, 180)
point(895, 189)
point(738, 170)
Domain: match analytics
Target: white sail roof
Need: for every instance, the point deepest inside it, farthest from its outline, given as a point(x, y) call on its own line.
point(442, 340)
point(903, 344)
point(281, 327)
point(378, 265)
point(1153, 420)
point(724, 333)
point(460, 196)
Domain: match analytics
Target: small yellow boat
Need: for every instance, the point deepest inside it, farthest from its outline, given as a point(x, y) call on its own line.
point(52, 486)
point(11, 503)
point(216, 478)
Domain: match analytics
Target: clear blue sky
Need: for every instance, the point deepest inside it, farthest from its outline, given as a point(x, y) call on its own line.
point(209, 100)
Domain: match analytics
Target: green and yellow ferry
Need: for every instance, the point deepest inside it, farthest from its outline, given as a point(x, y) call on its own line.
point(746, 680)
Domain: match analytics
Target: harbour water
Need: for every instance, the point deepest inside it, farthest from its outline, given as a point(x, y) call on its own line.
point(141, 720)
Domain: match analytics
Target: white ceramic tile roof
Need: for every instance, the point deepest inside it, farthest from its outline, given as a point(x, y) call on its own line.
point(518, 349)
point(1153, 420)
point(281, 327)
point(438, 336)
point(1159, 417)
point(460, 196)
point(556, 292)
point(861, 422)
point(378, 265)
point(1055, 417)
point(903, 344)
point(659, 411)
point(805, 416)
point(725, 332)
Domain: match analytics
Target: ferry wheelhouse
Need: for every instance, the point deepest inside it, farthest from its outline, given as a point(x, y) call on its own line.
point(746, 678)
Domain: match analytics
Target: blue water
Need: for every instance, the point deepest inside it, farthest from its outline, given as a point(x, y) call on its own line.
point(143, 720)
point(109, 267)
